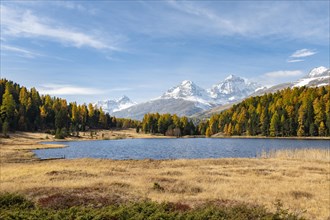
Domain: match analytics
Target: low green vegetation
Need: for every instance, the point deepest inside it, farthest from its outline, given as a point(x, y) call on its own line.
point(14, 206)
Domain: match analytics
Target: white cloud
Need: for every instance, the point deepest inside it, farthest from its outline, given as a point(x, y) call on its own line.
point(15, 23)
point(294, 61)
point(303, 53)
point(283, 73)
point(59, 89)
point(20, 51)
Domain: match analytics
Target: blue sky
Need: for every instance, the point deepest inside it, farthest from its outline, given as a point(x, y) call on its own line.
point(95, 50)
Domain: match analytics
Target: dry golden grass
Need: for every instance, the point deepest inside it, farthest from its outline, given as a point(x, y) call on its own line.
point(114, 134)
point(301, 182)
point(301, 154)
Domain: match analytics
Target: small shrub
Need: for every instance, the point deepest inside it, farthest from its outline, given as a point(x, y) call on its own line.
point(178, 207)
point(157, 187)
point(282, 213)
point(5, 129)
point(58, 134)
point(10, 200)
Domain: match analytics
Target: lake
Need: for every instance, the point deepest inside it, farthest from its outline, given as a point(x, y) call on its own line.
point(176, 148)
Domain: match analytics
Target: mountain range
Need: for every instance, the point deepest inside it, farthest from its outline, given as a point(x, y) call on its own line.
point(189, 99)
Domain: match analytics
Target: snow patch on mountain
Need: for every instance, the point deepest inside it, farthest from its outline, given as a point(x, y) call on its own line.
point(318, 71)
point(187, 98)
point(189, 91)
point(317, 77)
point(111, 106)
point(233, 88)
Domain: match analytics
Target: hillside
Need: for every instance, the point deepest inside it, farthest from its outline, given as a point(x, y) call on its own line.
point(25, 110)
point(319, 76)
point(300, 111)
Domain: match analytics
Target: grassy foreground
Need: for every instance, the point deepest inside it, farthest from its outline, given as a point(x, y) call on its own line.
point(14, 206)
point(300, 180)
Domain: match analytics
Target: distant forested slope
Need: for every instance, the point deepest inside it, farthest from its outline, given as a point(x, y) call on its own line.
point(25, 110)
point(291, 112)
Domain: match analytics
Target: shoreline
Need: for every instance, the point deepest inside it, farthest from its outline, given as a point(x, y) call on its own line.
point(265, 137)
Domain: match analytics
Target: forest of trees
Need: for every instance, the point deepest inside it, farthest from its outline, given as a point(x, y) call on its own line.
point(291, 112)
point(167, 124)
point(25, 110)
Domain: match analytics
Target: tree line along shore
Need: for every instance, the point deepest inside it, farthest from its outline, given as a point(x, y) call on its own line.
point(297, 112)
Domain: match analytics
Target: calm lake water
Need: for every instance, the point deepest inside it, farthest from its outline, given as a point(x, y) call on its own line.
point(174, 148)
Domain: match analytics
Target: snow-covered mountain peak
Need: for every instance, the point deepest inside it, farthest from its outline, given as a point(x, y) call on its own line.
point(318, 71)
point(233, 88)
point(319, 76)
point(230, 85)
point(188, 90)
point(124, 99)
point(111, 106)
point(186, 82)
point(185, 89)
point(232, 77)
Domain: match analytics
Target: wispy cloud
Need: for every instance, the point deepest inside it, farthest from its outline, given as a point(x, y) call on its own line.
point(74, 6)
point(250, 20)
point(283, 73)
point(20, 51)
point(303, 53)
point(204, 13)
point(277, 77)
point(294, 61)
point(16, 23)
point(294, 58)
point(60, 89)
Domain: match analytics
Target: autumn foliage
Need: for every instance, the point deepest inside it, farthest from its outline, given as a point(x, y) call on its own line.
point(291, 112)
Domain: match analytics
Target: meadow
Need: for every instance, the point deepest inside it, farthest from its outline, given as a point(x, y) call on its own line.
point(298, 179)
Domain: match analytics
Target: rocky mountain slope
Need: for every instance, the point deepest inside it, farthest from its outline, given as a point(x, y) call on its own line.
point(188, 99)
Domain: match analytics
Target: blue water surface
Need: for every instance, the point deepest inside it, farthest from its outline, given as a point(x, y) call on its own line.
point(176, 148)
